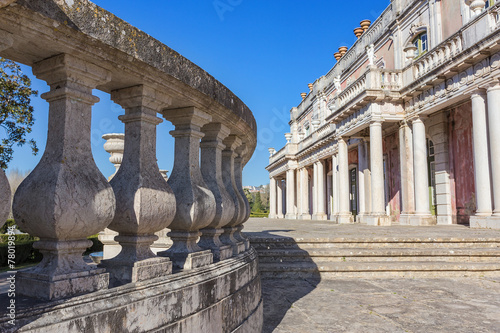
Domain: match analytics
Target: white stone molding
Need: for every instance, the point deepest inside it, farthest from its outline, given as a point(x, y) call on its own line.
point(195, 203)
point(211, 170)
point(85, 201)
point(145, 204)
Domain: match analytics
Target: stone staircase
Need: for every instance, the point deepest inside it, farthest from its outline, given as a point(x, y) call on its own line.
point(287, 257)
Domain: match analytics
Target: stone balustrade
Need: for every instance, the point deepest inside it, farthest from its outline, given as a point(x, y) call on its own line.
point(66, 198)
point(439, 55)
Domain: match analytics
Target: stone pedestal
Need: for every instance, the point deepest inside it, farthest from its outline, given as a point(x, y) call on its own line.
point(484, 222)
point(185, 253)
point(377, 220)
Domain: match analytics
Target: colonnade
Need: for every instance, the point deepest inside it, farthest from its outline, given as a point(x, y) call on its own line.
point(66, 198)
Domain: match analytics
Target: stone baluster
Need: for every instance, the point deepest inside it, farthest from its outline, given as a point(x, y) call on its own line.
point(66, 198)
point(228, 170)
point(195, 203)
point(238, 177)
point(211, 169)
point(5, 197)
point(145, 204)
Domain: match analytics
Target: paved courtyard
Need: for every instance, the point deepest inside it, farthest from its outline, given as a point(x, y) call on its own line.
point(376, 305)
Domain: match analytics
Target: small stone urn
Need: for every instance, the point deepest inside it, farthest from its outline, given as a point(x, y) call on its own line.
point(114, 146)
point(288, 137)
point(343, 50)
point(358, 32)
point(310, 85)
point(365, 24)
point(303, 95)
point(5, 197)
point(337, 55)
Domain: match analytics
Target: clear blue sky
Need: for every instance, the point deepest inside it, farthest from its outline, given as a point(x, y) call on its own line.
point(266, 52)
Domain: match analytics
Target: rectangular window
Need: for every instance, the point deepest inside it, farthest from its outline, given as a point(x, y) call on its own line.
point(424, 42)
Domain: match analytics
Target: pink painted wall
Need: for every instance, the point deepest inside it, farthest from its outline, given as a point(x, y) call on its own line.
point(353, 156)
point(387, 53)
point(393, 173)
point(461, 163)
point(451, 15)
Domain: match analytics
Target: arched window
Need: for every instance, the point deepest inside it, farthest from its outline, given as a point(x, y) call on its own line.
point(421, 44)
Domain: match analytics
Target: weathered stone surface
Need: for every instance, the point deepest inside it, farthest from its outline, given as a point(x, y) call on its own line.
point(5, 198)
point(66, 198)
point(222, 297)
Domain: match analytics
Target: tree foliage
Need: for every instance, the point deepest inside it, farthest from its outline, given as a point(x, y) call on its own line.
point(16, 113)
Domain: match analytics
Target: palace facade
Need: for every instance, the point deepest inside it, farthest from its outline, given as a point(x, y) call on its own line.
point(405, 128)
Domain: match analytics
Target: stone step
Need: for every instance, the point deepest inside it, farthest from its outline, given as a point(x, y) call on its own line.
point(288, 243)
point(377, 269)
point(380, 254)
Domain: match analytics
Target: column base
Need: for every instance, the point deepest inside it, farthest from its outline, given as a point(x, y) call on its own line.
point(377, 220)
point(291, 216)
point(238, 248)
point(345, 218)
point(122, 272)
point(484, 222)
point(189, 260)
point(280, 216)
point(319, 216)
point(61, 286)
point(444, 219)
point(422, 219)
point(305, 217)
point(404, 219)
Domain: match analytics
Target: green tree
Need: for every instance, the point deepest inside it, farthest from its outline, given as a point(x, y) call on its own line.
point(257, 205)
point(16, 113)
point(249, 198)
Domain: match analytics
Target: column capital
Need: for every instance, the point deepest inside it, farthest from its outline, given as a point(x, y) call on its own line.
point(215, 132)
point(190, 117)
point(141, 96)
point(478, 92)
point(418, 119)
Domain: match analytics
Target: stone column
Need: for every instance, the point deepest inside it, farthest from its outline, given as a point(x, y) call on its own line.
point(315, 191)
point(280, 199)
point(320, 192)
point(494, 131)
point(335, 188)
point(378, 215)
point(290, 194)
point(345, 215)
point(272, 198)
point(238, 177)
point(195, 203)
point(211, 170)
point(66, 198)
point(139, 184)
point(422, 214)
point(228, 155)
point(299, 186)
point(306, 215)
point(362, 166)
point(406, 168)
point(368, 179)
point(480, 151)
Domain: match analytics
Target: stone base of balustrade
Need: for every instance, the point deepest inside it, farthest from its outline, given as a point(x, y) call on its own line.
point(485, 222)
point(121, 272)
point(190, 260)
point(238, 248)
point(225, 252)
point(61, 286)
point(377, 220)
point(198, 300)
point(422, 219)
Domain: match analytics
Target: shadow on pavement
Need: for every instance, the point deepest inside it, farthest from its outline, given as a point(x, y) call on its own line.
point(282, 284)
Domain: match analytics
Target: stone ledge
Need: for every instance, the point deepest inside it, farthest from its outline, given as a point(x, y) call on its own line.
point(227, 292)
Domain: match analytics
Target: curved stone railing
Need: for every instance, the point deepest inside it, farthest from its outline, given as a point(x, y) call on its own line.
point(76, 47)
point(353, 90)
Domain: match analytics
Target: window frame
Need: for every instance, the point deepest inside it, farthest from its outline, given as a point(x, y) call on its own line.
point(419, 43)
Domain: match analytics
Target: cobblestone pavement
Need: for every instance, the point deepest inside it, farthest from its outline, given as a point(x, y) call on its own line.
point(386, 305)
